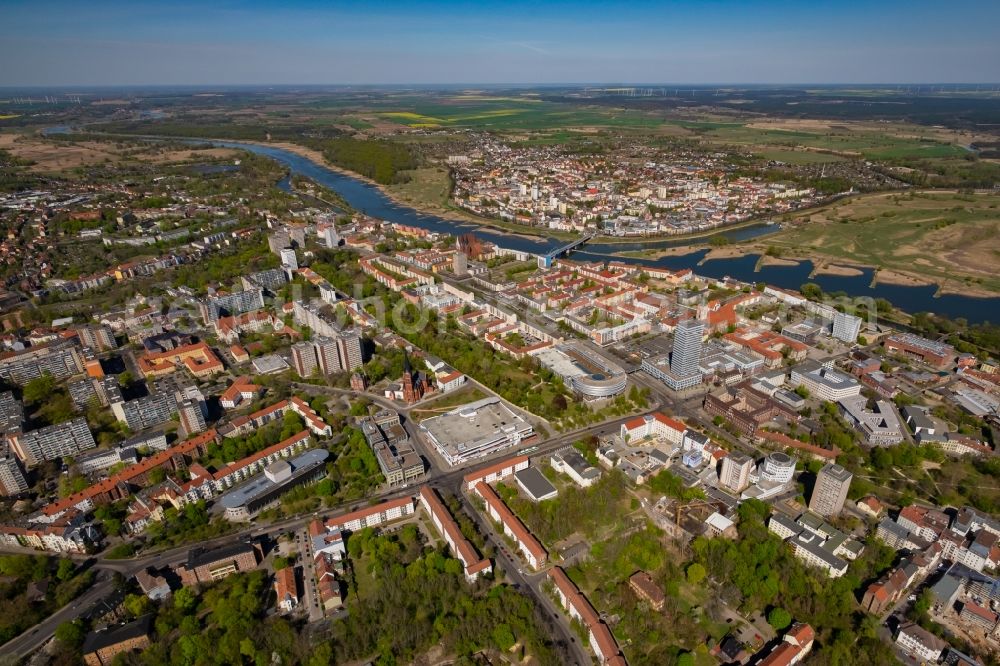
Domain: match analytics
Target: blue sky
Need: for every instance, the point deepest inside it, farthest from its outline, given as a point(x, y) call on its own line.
point(372, 41)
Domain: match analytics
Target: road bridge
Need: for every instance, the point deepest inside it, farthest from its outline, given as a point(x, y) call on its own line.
point(545, 260)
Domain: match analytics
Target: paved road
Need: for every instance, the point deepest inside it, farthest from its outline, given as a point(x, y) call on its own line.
point(35, 637)
point(567, 641)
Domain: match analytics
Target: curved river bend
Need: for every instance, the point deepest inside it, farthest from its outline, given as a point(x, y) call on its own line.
point(368, 199)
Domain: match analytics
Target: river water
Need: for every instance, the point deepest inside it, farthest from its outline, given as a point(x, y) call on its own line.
point(368, 199)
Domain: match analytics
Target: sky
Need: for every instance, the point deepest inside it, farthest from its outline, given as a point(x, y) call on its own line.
point(218, 42)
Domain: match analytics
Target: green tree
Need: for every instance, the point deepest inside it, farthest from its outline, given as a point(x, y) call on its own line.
point(779, 618)
point(65, 570)
point(137, 604)
point(695, 573)
point(503, 637)
point(38, 390)
point(70, 634)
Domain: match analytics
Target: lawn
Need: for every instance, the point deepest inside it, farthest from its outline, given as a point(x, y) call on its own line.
point(951, 239)
point(466, 394)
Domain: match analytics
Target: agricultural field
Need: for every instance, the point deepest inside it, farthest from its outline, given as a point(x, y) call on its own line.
point(514, 114)
point(948, 238)
point(58, 155)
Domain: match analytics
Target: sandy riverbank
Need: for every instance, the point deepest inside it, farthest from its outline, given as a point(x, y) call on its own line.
point(765, 260)
point(888, 276)
point(839, 270)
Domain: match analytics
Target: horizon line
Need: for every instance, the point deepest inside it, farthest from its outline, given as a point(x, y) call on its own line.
point(520, 84)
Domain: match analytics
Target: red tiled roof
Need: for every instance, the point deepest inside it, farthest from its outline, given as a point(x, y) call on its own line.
point(465, 551)
point(486, 471)
point(284, 584)
point(131, 472)
point(337, 521)
point(260, 455)
point(783, 655)
point(507, 517)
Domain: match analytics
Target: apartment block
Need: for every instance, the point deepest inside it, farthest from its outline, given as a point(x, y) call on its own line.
point(373, 516)
point(59, 358)
point(101, 647)
point(533, 551)
point(99, 337)
point(599, 636)
point(495, 472)
point(230, 304)
point(304, 359)
point(12, 481)
point(56, 441)
point(830, 491)
point(735, 471)
point(475, 565)
point(206, 566)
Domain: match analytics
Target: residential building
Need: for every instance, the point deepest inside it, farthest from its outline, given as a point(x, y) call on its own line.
point(735, 472)
point(192, 410)
point(98, 337)
point(286, 589)
point(288, 260)
point(795, 645)
point(976, 615)
point(527, 544)
point(920, 643)
point(304, 359)
point(11, 414)
point(830, 490)
point(372, 516)
point(205, 566)
point(474, 565)
point(153, 585)
point(101, 647)
point(55, 441)
point(231, 304)
point(148, 411)
point(647, 590)
point(327, 355)
point(495, 472)
point(59, 358)
point(349, 350)
point(846, 327)
point(12, 481)
point(599, 636)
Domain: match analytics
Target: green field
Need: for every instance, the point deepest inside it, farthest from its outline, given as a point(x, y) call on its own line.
point(870, 144)
point(951, 239)
point(511, 114)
